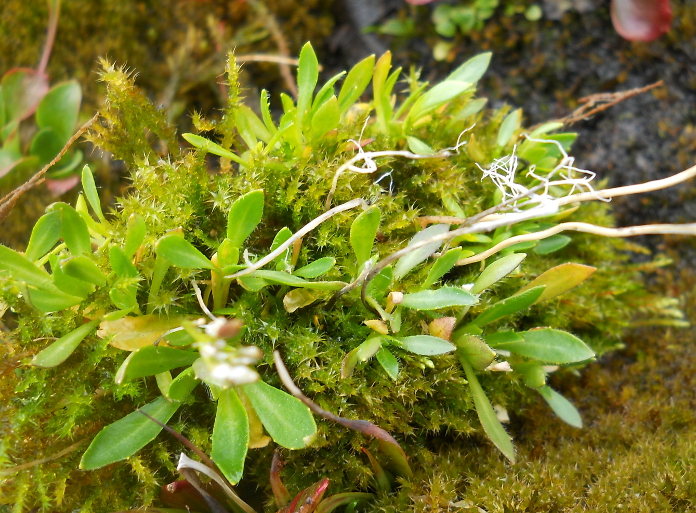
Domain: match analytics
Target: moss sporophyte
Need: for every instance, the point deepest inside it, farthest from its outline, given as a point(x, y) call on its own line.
point(409, 312)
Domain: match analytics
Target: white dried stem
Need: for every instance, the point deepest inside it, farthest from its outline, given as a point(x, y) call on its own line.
point(629, 231)
point(653, 185)
point(300, 234)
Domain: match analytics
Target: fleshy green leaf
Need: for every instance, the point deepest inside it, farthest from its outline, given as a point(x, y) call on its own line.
point(307, 77)
point(436, 97)
point(67, 284)
point(135, 234)
point(44, 235)
point(418, 146)
point(362, 353)
point(127, 436)
point(549, 345)
point(472, 70)
point(45, 145)
point(560, 279)
point(363, 232)
point(415, 257)
point(509, 306)
point(491, 425)
point(266, 112)
point(380, 283)
point(497, 271)
point(442, 266)
point(121, 264)
point(287, 420)
point(388, 362)
point(182, 385)
point(207, 145)
point(59, 109)
point(326, 118)
point(230, 436)
point(61, 349)
point(532, 373)
point(551, 244)
point(357, 80)
point(151, 360)
point(503, 337)
point(295, 281)
point(52, 300)
point(181, 253)
point(425, 345)
point(82, 268)
point(444, 297)
point(244, 216)
point(475, 350)
point(21, 269)
point(561, 406)
point(316, 268)
point(508, 127)
point(90, 188)
point(73, 229)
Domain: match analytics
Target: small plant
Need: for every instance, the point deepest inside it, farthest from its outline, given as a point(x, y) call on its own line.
point(302, 242)
point(27, 148)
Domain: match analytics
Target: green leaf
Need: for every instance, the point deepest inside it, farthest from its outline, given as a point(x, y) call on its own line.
point(22, 91)
point(287, 420)
point(73, 229)
point(230, 436)
point(491, 425)
point(151, 360)
point(66, 284)
point(363, 232)
point(181, 253)
point(532, 373)
point(61, 349)
point(444, 297)
point(388, 362)
point(244, 216)
point(380, 283)
point(509, 306)
point(127, 436)
point(44, 235)
point(415, 257)
point(508, 127)
point(560, 279)
point(380, 91)
point(45, 145)
point(266, 112)
point(551, 244)
point(52, 300)
point(123, 295)
point(324, 94)
point(307, 77)
point(295, 281)
point(183, 385)
point(21, 269)
point(135, 234)
point(472, 70)
point(90, 188)
point(355, 84)
point(59, 109)
point(207, 145)
point(503, 337)
point(254, 125)
point(497, 271)
point(362, 353)
point(121, 264)
point(326, 118)
point(475, 350)
point(82, 268)
point(436, 97)
point(425, 345)
point(442, 266)
point(418, 146)
point(545, 129)
point(316, 268)
point(561, 406)
point(549, 345)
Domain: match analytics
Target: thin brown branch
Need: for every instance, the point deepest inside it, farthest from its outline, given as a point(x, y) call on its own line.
point(54, 14)
point(9, 201)
point(596, 103)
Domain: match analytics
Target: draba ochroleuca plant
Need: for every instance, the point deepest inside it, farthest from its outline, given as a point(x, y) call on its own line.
point(401, 254)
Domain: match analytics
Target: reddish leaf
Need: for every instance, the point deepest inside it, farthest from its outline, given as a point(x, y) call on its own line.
point(60, 186)
point(641, 20)
point(308, 499)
